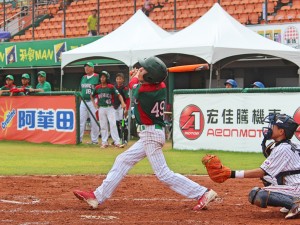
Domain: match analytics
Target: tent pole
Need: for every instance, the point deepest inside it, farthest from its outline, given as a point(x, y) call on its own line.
point(61, 79)
point(210, 75)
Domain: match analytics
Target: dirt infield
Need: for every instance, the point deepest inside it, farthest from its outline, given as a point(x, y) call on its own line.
point(138, 200)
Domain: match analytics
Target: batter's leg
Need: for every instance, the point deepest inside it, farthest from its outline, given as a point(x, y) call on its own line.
point(123, 163)
point(153, 143)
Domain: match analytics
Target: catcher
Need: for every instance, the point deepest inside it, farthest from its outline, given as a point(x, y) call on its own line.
point(280, 171)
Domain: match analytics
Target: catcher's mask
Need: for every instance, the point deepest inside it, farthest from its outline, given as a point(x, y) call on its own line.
point(107, 75)
point(157, 70)
point(283, 121)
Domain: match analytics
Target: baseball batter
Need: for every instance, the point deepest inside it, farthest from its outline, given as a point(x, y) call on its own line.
point(280, 172)
point(105, 93)
point(149, 92)
point(87, 84)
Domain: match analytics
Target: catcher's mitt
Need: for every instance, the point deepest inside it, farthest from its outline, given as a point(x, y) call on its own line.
point(216, 171)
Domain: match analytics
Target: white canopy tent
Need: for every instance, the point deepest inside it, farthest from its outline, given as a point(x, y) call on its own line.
point(216, 36)
point(138, 31)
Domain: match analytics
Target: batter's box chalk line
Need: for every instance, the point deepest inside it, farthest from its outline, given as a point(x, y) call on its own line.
point(21, 200)
point(91, 217)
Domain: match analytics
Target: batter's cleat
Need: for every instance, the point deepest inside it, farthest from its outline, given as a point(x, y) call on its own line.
point(88, 197)
point(294, 211)
point(284, 210)
point(209, 196)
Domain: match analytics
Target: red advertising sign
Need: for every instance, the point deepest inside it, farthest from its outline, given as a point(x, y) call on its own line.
point(38, 119)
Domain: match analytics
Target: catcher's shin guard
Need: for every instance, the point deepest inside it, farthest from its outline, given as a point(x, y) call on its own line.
point(263, 198)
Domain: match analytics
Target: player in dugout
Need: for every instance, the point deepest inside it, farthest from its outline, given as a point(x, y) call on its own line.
point(43, 85)
point(9, 80)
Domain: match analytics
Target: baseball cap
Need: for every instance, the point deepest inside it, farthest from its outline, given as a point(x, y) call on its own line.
point(9, 77)
point(26, 76)
point(90, 64)
point(42, 73)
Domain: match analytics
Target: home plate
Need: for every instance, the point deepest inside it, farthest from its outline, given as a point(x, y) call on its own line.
point(98, 217)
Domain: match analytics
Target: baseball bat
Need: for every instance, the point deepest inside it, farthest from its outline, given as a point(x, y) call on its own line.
point(188, 68)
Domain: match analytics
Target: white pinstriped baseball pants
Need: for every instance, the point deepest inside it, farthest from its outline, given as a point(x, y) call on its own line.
point(84, 114)
point(149, 145)
point(108, 115)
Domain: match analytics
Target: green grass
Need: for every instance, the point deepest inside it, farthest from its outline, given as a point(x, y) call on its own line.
point(23, 158)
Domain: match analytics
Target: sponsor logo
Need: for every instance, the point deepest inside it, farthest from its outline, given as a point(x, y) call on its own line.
point(191, 122)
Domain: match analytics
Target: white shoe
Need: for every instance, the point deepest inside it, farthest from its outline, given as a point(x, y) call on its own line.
point(284, 210)
point(294, 211)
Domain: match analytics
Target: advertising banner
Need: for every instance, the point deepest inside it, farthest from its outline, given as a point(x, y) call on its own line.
point(38, 53)
point(228, 121)
point(38, 119)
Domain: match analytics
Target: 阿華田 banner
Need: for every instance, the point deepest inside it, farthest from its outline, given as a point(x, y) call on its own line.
point(38, 119)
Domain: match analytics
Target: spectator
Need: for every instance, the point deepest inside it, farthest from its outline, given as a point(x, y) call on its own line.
point(9, 80)
point(258, 84)
point(92, 23)
point(230, 83)
point(88, 83)
point(43, 85)
point(148, 7)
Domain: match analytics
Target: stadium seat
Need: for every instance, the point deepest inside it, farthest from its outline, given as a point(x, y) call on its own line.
point(253, 18)
point(230, 9)
point(239, 9)
point(225, 2)
point(249, 8)
point(244, 18)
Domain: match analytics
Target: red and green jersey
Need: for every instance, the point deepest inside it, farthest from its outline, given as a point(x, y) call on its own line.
point(6, 87)
point(124, 91)
point(24, 87)
point(87, 85)
point(105, 95)
point(149, 102)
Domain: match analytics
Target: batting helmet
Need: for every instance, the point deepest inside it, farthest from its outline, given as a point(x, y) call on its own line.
point(232, 82)
point(283, 121)
point(258, 84)
point(106, 74)
point(157, 70)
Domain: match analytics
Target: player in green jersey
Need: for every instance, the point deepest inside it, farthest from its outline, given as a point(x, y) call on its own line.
point(149, 92)
point(87, 85)
point(104, 93)
point(43, 85)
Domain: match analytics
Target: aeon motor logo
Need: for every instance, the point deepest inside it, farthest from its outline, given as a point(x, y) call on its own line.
point(191, 122)
point(297, 119)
